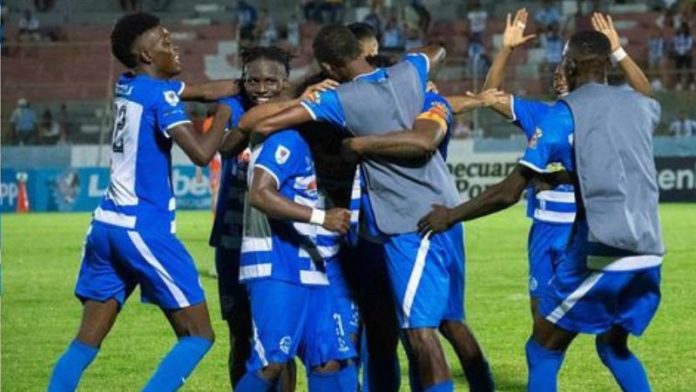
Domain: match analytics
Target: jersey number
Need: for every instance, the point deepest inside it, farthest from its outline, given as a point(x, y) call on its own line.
point(119, 127)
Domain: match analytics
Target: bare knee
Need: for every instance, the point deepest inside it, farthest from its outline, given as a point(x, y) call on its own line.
point(421, 340)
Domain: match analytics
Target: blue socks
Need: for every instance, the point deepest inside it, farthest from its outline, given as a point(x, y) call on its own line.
point(625, 367)
point(68, 370)
point(445, 386)
point(253, 382)
point(480, 377)
point(543, 366)
point(344, 380)
point(178, 364)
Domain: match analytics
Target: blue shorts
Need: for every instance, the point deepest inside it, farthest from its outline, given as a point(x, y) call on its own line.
point(421, 271)
point(115, 260)
point(547, 242)
point(293, 320)
point(345, 311)
point(234, 300)
point(582, 300)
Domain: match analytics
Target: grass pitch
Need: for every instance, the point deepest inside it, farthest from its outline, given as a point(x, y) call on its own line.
point(40, 315)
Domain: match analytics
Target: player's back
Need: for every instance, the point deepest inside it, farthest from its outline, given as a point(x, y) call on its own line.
point(140, 191)
point(615, 165)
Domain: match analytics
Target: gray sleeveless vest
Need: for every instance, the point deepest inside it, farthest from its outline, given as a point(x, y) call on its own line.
point(400, 192)
point(615, 166)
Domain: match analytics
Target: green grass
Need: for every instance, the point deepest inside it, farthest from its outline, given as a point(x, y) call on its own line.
point(41, 255)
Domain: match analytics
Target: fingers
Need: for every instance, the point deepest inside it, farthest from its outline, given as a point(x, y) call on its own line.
point(508, 23)
point(424, 226)
point(610, 22)
point(529, 37)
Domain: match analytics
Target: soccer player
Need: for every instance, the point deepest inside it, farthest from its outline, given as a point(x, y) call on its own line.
point(607, 282)
point(551, 209)
point(131, 240)
point(287, 239)
point(265, 72)
point(377, 101)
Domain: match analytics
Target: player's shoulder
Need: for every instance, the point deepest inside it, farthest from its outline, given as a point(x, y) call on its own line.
point(290, 137)
point(148, 90)
point(238, 105)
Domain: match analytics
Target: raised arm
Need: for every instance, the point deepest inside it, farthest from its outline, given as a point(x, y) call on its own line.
point(233, 141)
point(199, 147)
point(495, 198)
point(634, 75)
point(513, 36)
point(210, 91)
point(264, 196)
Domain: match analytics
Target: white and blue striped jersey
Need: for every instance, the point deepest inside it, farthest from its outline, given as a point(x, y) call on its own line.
point(551, 121)
point(227, 228)
point(140, 194)
point(285, 250)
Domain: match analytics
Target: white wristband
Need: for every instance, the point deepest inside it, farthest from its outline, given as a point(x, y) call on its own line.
point(619, 54)
point(318, 217)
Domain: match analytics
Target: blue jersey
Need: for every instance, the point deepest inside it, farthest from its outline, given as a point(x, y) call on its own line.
point(277, 249)
point(140, 194)
point(227, 228)
point(552, 122)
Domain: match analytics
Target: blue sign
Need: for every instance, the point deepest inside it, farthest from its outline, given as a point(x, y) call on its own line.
point(83, 189)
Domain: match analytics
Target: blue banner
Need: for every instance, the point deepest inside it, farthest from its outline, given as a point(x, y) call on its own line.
point(8, 190)
point(82, 189)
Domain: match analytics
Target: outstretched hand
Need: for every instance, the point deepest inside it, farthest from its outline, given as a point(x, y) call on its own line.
point(513, 36)
point(436, 221)
point(605, 25)
point(489, 97)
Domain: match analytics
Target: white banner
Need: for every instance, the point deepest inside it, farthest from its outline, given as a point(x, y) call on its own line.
point(473, 172)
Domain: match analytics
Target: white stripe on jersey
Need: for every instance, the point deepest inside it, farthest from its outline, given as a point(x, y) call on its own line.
point(313, 277)
point(122, 185)
point(115, 218)
point(255, 271)
point(144, 250)
point(556, 196)
point(257, 244)
point(554, 216)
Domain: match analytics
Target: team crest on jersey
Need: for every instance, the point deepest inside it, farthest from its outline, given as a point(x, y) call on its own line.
point(171, 97)
point(285, 344)
point(282, 154)
point(535, 139)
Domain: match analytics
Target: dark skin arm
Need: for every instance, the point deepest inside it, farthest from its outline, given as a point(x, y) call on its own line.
point(419, 142)
point(268, 118)
point(233, 141)
point(498, 197)
point(210, 91)
point(435, 53)
point(200, 148)
point(264, 196)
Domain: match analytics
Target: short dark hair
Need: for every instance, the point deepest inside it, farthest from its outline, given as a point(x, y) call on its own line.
point(589, 45)
point(126, 31)
point(272, 53)
point(336, 45)
point(362, 30)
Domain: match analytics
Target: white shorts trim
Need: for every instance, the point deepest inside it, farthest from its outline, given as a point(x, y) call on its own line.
point(574, 297)
point(414, 279)
point(115, 218)
point(629, 263)
point(169, 282)
point(258, 345)
point(531, 166)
